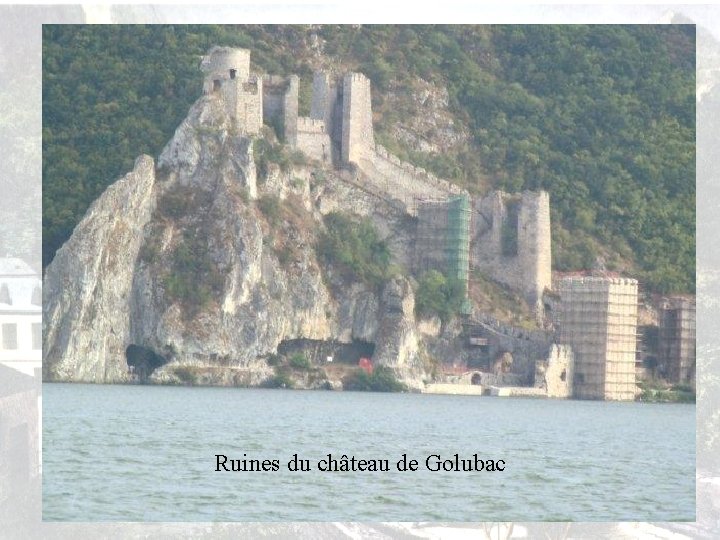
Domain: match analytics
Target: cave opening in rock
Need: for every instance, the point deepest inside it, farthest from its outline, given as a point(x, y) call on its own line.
point(142, 361)
point(318, 351)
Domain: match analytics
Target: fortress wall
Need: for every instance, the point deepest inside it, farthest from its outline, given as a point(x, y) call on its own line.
point(525, 346)
point(381, 158)
point(390, 219)
point(310, 125)
point(324, 95)
point(274, 88)
point(290, 109)
point(327, 105)
point(278, 82)
point(280, 105)
point(272, 104)
point(401, 180)
point(312, 139)
point(249, 105)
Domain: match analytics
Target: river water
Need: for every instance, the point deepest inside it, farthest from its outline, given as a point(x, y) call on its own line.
point(148, 453)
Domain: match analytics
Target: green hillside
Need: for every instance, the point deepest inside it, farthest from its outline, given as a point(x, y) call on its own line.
point(603, 117)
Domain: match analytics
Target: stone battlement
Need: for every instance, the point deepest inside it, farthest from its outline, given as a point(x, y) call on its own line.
point(310, 125)
point(416, 181)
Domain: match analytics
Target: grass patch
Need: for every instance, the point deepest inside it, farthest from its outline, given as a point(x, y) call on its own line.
point(353, 245)
point(194, 279)
point(383, 379)
point(281, 379)
point(439, 295)
point(270, 205)
point(500, 302)
point(299, 361)
point(655, 392)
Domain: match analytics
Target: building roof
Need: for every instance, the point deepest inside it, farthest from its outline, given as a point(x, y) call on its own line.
point(20, 287)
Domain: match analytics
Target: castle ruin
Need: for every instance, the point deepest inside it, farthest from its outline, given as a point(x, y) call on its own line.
point(508, 236)
point(505, 236)
point(339, 129)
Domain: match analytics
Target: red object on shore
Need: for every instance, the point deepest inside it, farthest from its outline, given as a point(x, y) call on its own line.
point(366, 365)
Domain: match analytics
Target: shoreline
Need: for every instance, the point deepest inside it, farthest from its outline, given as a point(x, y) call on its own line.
point(420, 392)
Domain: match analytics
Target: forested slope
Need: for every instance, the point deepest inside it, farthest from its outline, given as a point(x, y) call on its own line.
point(603, 117)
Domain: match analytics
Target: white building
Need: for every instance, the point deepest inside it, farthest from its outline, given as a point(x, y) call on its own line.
point(20, 316)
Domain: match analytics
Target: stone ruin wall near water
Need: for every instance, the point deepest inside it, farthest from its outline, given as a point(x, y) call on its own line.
point(556, 373)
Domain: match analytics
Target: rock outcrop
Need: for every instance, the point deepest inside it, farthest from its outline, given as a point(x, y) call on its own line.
point(89, 284)
point(177, 266)
point(398, 346)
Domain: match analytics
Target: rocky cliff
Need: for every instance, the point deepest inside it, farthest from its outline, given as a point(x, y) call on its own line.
point(181, 265)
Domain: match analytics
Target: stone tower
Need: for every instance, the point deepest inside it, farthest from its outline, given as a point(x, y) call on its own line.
point(511, 242)
point(227, 76)
point(357, 129)
point(534, 246)
point(225, 63)
point(280, 105)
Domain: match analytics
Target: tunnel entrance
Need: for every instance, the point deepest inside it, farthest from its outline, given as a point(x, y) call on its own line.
point(317, 351)
point(142, 362)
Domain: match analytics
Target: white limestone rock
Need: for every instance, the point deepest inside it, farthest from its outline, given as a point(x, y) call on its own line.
point(108, 286)
point(89, 284)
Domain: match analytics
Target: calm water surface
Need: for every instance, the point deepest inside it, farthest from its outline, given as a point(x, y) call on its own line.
point(145, 453)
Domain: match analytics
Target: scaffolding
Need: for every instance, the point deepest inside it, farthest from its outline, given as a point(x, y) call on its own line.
point(677, 339)
point(458, 237)
point(442, 241)
point(598, 318)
